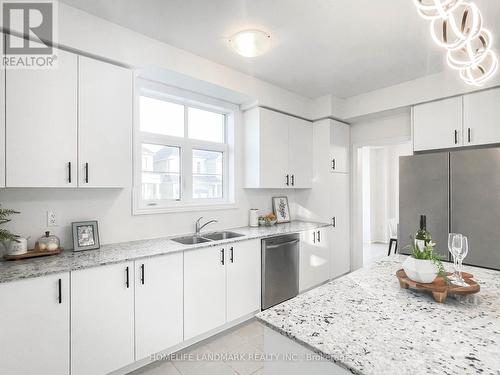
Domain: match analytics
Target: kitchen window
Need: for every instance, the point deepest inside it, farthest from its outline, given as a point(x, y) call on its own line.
point(183, 151)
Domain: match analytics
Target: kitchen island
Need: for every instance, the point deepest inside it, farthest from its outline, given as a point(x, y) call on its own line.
point(363, 323)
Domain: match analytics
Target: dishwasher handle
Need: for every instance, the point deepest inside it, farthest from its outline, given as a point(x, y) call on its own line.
point(270, 247)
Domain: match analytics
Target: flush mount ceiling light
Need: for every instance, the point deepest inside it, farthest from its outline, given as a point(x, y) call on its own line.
point(250, 43)
point(457, 26)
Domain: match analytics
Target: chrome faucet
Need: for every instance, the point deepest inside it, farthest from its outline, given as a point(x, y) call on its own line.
point(200, 227)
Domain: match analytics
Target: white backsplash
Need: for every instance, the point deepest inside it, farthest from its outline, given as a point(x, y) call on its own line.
point(112, 208)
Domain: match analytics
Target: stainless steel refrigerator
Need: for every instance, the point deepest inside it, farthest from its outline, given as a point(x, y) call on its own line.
point(459, 192)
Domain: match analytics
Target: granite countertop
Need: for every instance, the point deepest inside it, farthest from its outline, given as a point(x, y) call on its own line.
point(365, 323)
point(126, 251)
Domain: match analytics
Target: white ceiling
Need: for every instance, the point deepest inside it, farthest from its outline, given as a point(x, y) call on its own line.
point(340, 47)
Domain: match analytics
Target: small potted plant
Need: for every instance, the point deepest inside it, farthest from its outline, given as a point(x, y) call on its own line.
point(423, 265)
point(6, 237)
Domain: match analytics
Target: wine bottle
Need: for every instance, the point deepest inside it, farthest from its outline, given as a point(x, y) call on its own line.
point(422, 237)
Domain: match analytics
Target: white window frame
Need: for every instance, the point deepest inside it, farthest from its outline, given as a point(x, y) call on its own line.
point(187, 202)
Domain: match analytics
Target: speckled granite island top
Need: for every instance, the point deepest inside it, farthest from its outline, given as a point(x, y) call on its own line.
point(365, 323)
point(121, 252)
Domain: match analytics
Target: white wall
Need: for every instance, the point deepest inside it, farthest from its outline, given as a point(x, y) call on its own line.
point(85, 32)
point(366, 194)
point(82, 32)
point(381, 189)
point(113, 209)
point(391, 128)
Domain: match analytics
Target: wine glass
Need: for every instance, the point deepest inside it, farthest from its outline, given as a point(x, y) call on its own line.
point(463, 251)
point(452, 238)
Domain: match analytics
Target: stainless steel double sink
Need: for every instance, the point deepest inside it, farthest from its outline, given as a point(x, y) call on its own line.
point(208, 237)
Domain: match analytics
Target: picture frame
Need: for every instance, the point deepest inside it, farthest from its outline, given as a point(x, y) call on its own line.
point(281, 209)
point(85, 235)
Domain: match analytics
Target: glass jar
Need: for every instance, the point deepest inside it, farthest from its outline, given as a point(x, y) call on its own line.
point(48, 242)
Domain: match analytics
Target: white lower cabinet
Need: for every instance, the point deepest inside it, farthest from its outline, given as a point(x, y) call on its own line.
point(158, 304)
point(34, 326)
point(220, 284)
point(314, 258)
point(102, 319)
point(243, 279)
point(204, 290)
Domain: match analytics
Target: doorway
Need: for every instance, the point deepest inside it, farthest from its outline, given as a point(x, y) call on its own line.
point(380, 197)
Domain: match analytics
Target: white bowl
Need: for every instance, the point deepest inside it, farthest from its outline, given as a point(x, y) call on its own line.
point(419, 270)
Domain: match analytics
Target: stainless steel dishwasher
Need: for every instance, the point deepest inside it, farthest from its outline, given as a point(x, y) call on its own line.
point(280, 269)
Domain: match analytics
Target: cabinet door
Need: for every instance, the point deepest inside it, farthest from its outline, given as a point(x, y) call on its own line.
point(314, 258)
point(102, 319)
point(34, 326)
point(158, 304)
point(340, 139)
point(274, 149)
point(243, 279)
point(41, 125)
point(340, 258)
point(204, 290)
point(482, 118)
point(437, 125)
point(105, 124)
point(301, 152)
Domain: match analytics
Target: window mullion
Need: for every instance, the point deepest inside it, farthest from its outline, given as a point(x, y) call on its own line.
point(187, 170)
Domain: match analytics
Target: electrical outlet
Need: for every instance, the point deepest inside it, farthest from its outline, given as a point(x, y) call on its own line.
point(51, 219)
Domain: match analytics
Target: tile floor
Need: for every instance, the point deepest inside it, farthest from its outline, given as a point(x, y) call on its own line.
point(229, 353)
point(375, 251)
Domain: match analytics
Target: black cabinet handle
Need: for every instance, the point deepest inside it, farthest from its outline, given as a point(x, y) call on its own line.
point(334, 222)
point(222, 256)
point(468, 135)
point(293, 180)
point(319, 236)
point(287, 180)
point(59, 282)
point(128, 279)
point(69, 172)
point(333, 164)
point(86, 173)
point(314, 237)
point(456, 136)
point(231, 254)
point(142, 274)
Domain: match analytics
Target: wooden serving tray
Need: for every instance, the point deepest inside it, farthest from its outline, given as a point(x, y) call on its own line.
point(33, 253)
point(439, 288)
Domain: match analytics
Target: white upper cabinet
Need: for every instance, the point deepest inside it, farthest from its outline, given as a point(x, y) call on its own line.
point(158, 304)
point(102, 319)
point(243, 279)
point(34, 326)
point(482, 117)
point(204, 290)
point(340, 139)
point(438, 125)
point(331, 147)
point(70, 126)
point(300, 151)
point(41, 125)
point(278, 150)
point(105, 124)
